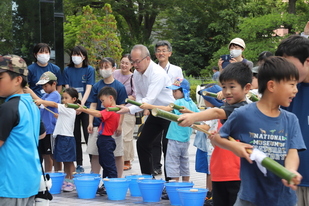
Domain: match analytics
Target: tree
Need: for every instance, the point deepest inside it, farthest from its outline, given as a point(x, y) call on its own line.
point(135, 18)
point(97, 34)
point(6, 37)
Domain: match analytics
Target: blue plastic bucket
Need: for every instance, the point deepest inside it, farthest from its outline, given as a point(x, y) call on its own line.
point(57, 179)
point(86, 174)
point(86, 186)
point(151, 189)
point(133, 186)
point(171, 189)
point(192, 196)
point(116, 188)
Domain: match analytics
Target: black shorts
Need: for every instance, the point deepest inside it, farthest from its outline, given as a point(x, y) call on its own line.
point(45, 146)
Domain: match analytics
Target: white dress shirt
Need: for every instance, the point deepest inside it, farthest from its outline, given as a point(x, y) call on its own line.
point(150, 87)
point(173, 72)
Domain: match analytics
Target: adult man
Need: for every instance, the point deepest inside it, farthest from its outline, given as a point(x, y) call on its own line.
point(296, 49)
point(150, 82)
point(163, 50)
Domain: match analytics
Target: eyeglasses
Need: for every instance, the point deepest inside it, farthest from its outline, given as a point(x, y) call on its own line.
point(162, 51)
point(138, 61)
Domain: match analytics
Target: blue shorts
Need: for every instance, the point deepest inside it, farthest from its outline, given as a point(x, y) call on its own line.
point(65, 149)
point(201, 162)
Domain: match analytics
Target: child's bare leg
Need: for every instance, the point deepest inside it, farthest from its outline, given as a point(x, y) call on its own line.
point(185, 178)
point(69, 168)
point(208, 183)
point(119, 165)
point(48, 162)
point(95, 165)
point(57, 165)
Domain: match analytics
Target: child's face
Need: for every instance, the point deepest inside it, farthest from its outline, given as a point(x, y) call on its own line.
point(49, 88)
point(285, 91)
point(67, 98)
point(177, 94)
point(8, 85)
point(303, 69)
point(254, 84)
point(107, 100)
point(233, 92)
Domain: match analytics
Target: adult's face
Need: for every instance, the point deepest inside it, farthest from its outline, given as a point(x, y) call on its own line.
point(139, 61)
point(162, 53)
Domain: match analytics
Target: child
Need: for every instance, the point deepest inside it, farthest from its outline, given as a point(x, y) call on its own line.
point(41, 54)
point(109, 124)
point(277, 134)
point(235, 80)
point(106, 67)
point(203, 144)
point(49, 82)
point(20, 168)
point(295, 48)
point(177, 157)
point(81, 76)
point(65, 146)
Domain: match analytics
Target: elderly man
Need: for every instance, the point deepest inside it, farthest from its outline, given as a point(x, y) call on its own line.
point(150, 82)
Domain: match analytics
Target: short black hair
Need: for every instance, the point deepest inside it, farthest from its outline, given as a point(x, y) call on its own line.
point(13, 75)
point(277, 69)
point(238, 71)
point(296, 46)
point(164, 43)
point(106, 91)
point(263, 55)
point(78, 50)
point(215, 68)
point(73, 93)
point(40, 47)
point(107, 60)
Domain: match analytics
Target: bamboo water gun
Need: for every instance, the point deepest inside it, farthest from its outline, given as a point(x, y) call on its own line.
point(266, 162)
point(250, 95)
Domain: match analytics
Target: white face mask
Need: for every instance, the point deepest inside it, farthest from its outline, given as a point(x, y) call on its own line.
point(77, 60)
point(105, 73)
point(43, 58)
point(235, 53)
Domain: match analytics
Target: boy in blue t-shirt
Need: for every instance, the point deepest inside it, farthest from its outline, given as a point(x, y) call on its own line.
point(48, 80)
point(20, 169)
point(177, 157)
point(277, 134)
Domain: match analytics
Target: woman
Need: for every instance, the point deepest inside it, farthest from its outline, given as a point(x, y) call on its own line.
point(81, 76)
point(125, 76)
point(236, 47)
point(41, 53)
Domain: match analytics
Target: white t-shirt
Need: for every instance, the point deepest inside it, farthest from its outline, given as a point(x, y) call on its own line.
point(173, 72)
point(65, 122)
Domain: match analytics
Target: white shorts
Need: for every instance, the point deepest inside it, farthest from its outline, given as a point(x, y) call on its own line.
point(92, 147)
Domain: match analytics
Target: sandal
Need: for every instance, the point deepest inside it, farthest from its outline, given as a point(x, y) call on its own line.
point(126, 167)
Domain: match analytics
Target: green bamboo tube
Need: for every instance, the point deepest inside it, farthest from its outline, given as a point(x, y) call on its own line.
point(74, 106)
point(164, 115)
point(210, 94)
point(253, 97)
point(278, 169)
point(133, 102)
point(175, 106)
point(112, 109)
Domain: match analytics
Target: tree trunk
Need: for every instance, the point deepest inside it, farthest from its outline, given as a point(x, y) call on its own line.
point(292, 7)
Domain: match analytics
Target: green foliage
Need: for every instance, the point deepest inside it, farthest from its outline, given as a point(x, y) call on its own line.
point(6, 37)
point(98, 34)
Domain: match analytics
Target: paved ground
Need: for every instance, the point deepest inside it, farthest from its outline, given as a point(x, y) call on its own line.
point(70, 198)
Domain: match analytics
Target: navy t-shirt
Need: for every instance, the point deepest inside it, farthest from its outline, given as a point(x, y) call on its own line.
point(93, 97)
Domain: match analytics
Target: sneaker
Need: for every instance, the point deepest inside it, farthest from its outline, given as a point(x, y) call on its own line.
point(157, 171)
point(79, 169)
point(69, 187)
point(101, 190)
point(64, 184)
point(208, 200)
